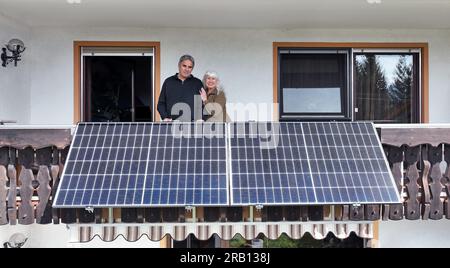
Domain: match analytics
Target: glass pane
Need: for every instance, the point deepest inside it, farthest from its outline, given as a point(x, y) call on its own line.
point(117, 88)
point(143, 85)
point(312, 100)
point(313, 84)
point(386, 88)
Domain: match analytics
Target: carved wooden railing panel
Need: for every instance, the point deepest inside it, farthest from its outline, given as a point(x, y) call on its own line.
point(12, 194)
point(3, 195)
point(425, 184)
point(30, 173)
point(30, 165)
point(434, 182)
point(446, 181)
point(395, 157)
point(412, 203)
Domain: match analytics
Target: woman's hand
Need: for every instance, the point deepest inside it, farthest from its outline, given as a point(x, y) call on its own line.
point(203, 94)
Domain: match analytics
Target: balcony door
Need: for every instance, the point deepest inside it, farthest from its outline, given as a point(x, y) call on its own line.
point(117, 84)
point(116, 81)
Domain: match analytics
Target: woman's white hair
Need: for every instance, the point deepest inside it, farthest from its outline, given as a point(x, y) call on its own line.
point(214, 74)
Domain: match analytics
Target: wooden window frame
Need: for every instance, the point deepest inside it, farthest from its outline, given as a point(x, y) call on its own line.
point(424, 68)
point(77, 45)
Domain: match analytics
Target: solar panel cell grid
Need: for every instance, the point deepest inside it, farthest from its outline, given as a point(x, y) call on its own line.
point(311, 163)
point(142, 164)
point(271, 163)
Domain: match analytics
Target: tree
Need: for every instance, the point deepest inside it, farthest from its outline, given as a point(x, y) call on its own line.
point(401, 90)
point(371, 88)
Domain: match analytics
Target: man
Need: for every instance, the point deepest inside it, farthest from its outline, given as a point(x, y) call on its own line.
point(180, 92)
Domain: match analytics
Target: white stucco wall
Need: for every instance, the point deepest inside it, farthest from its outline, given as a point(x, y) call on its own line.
point(243, 59)
point(414, 234)
point(38, 235)
point(15, 81)
point(57, 236)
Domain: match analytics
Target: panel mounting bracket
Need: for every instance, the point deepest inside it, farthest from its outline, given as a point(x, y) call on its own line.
point(89, 209)
point(189, 208)
point(259, 206)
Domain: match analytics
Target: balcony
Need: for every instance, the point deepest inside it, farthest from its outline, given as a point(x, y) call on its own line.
point(32, 160)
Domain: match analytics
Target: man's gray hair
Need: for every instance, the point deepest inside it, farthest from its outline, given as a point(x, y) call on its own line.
point(187, 57)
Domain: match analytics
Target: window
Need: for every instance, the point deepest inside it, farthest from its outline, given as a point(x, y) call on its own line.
point(314, 84)
point(383, 83)
point(386, 87)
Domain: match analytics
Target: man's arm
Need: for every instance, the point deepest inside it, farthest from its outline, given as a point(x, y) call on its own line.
point(162, 105)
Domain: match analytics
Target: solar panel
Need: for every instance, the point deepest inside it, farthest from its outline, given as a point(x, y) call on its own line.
point(308, 163)
point(145, 164)
point(180, 164)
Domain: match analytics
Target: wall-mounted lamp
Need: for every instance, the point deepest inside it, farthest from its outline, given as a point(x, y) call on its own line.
point(16, 240)
point(16, 47)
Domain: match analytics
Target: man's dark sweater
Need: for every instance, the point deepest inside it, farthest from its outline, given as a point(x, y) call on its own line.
point(176, 91)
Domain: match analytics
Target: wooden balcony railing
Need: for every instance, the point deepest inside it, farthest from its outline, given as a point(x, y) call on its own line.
point(31, 163)
point(419, 156)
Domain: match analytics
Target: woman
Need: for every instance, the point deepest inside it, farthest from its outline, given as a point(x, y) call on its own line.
point(214, 101)
point(213, 98)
